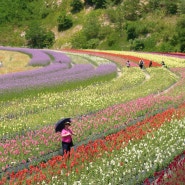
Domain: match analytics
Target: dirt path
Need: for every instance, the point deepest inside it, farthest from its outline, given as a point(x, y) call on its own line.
point(166, 90)
point(119, 72)
point(146, 75)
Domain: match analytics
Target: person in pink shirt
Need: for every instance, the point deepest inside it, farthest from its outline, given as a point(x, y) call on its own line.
point(66, 135)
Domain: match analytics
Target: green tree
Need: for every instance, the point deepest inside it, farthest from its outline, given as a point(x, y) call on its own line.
point(38, 37)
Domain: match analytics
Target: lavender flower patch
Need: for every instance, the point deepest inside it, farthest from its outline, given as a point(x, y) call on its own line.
point(76, 73)
point(104, 69)
point(52, 68)
point(58, 56)
point(48, 79)
point(58, 72)
point(38, 57)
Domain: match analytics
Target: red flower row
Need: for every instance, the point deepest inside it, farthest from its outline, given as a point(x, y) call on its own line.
point(110, 55)
point(86, 153)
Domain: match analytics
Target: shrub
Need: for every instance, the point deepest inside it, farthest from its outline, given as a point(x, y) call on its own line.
point(182, 47)
point(79, 40)
point(131, 32)
point(137, 45)
point(39, 37)
point(93, 43)
point(171, 8)
point(64, 22)
point(76, 5)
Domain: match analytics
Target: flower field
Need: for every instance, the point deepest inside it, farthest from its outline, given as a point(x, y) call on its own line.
point(130, 123)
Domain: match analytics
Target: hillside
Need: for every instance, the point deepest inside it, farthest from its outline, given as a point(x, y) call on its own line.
point(107, 24)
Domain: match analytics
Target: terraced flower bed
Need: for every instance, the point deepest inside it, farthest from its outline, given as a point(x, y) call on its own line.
point(57, 73)
point(118, 124)
point(126, 157)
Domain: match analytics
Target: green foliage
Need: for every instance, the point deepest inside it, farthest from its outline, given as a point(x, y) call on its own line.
point(116, 16)
point(131, 9)
point(38, 37)
point(137, 45)
point(107, 24)
point(44, 13)
point(171, 8)
point(92, 26)
point(182, 47)
point(79, 41)
point(93, 43)
point(112, 14)
point(116, 2)
point(104, 32)
point(88, 2)
point(143, 29)
point(76, 5)
point(112, 38)
point(174, 40)
point(153, 4)
point(95, 3)
point(99, 3)
point(165, 47)
point(181, 7)
point(150, 43)
point(181, 33)
point(64, 22)
point(19, 10)
point(131, 32)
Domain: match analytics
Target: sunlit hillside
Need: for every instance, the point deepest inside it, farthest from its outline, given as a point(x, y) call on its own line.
point(94, 24)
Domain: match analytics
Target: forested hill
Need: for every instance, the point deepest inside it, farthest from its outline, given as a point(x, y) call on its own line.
point(144, 25)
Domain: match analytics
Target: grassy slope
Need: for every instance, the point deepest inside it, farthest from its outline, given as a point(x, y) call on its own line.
point(160, 28)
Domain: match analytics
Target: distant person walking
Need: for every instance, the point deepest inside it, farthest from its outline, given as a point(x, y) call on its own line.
point(163, 64)
point(128, 63)
point(150, 64)
point(141, 64)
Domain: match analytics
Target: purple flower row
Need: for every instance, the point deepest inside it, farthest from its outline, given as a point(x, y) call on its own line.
point(38, 57)
point(58, 57)
point(58, 72)
point(78, 72)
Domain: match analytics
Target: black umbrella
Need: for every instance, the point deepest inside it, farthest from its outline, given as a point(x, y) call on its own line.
point(61, 124)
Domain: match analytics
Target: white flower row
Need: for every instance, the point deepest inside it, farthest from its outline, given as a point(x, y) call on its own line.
point(140, 158)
